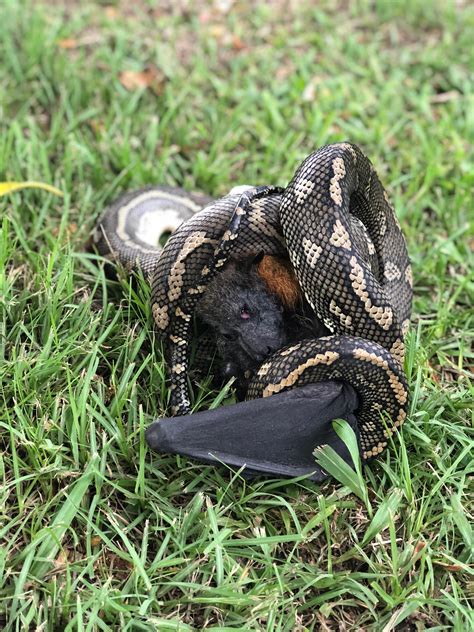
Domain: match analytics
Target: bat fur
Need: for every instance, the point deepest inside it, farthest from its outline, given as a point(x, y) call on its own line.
point(252, 317)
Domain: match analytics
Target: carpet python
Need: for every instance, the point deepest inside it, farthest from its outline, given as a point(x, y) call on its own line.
point(335, 222)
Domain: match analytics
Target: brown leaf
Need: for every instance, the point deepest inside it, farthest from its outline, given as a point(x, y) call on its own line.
point(419, 546)
point(71, 229)
point(111, 12)
point(237, 43)
point(150, 77)
point(98, 127)
point(435, 373)
point(61, 560)
point(448, 567)
point(68, 43)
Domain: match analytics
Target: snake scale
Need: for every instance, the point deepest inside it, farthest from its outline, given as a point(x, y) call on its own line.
point(336, 223)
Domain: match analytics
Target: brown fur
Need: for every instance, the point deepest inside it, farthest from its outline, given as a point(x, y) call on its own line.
point(280, 279)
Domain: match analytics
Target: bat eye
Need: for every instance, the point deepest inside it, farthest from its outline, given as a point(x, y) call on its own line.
point(230, 336)
point(245, 312)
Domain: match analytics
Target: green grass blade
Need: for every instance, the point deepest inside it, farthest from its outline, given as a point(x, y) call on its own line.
point(382, 516)
point(48, 541)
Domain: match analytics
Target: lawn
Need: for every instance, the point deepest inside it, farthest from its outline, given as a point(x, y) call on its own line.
point(99, 533)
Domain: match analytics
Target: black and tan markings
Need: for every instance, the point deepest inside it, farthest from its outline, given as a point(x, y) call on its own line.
point(130, 229)
point(381, 385)
point(229, 222)
point(335, 221)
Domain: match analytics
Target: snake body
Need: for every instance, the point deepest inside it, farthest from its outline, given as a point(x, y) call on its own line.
point(335, 222)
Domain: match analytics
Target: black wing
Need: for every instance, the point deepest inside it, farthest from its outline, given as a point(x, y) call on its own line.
point(274, 435)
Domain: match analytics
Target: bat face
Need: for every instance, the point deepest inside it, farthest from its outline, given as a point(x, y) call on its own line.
point(252, 325)
point(246, 317)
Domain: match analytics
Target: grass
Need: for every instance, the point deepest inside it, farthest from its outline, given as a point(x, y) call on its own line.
point(96, 531)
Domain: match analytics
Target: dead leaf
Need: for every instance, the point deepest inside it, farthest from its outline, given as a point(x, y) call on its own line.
point(309, 92)
point(71, 229)
point(68, 43)
point(98, 127)
point(284, 71)
point(61, 561)
point(445, 97)
point(448, 567)
point(217, 31)
point(111, 12)
point(435, 373)
point(150, 77)
point(237, 43)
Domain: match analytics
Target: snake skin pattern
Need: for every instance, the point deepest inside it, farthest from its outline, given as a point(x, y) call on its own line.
point(336, 223)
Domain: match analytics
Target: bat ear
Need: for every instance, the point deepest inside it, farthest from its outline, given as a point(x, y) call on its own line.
point(257, 258)
point(247, 264)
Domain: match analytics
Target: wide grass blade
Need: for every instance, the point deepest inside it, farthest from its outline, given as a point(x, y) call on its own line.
point(48, 541)
point(383, 516)
point(337, 467)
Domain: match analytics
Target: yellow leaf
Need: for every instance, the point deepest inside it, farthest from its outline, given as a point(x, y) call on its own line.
point(10, 187)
